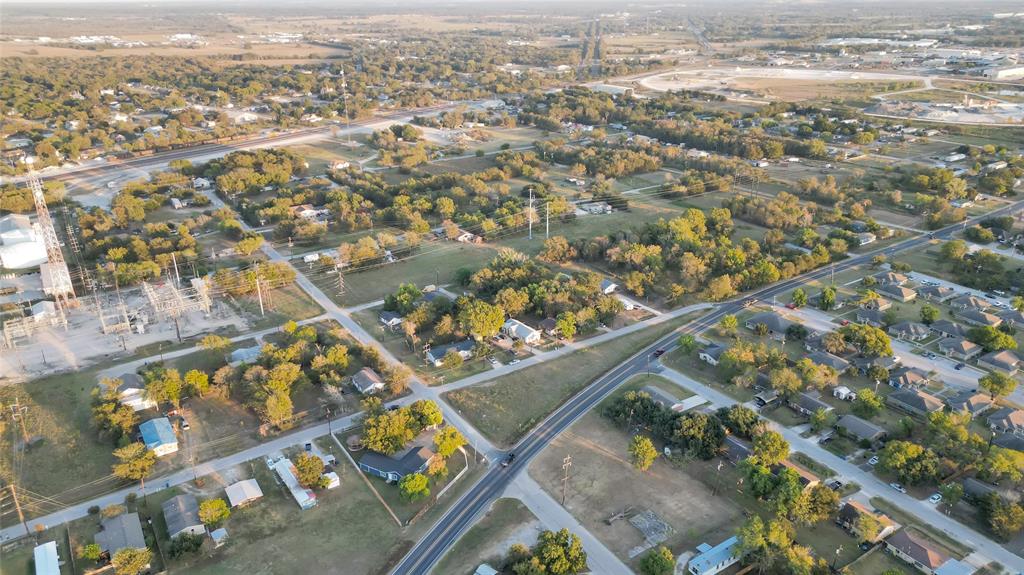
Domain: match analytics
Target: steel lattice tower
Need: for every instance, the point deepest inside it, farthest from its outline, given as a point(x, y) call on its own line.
point(60, 278)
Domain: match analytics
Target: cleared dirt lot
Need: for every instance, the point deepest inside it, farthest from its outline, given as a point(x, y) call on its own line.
point(602, 482)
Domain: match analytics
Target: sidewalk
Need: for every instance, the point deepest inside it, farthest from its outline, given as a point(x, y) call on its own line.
point(555, 517)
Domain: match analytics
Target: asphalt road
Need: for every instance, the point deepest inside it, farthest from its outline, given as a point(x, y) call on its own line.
point(160, 158)
point(433, 545)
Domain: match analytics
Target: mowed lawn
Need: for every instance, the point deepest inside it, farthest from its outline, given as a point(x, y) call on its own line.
point(506, 408)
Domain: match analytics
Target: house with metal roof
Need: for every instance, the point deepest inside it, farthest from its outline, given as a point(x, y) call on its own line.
point(244, 355)
point(243, 492)
point(47, 562)
point(711, 560)
point(158, 435)
point(181, 514)
point(289, 476)
point(518, 330)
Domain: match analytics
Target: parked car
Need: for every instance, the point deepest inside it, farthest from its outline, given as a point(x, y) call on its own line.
point(492, 360)
point(959, 366)
point(184, 424)
point(513, 362)
point(935, 498)
point(844, 322)
point(898, 487)
point(873, 460)
point(309, 446)
point(791, 305)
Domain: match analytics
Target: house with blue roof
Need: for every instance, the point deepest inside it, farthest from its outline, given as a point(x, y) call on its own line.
point(159, 437)
point(710, 560)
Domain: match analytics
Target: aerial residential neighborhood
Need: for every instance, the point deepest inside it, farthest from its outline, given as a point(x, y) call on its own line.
point(477, 288)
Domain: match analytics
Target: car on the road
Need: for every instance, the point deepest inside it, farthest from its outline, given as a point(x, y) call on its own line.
point(873, 460)
point(998, 303)
point(791, 305)
point(513, 362)
point(658, 353)
point(508, 459)
point(935, 498)
point(898, 487)
point(929, 354)
point(749, 302)
point(959, 366)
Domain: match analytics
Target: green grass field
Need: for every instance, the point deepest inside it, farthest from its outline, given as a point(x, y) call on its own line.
point(507, 407)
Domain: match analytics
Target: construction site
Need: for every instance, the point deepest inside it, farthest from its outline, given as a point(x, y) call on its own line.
point(49, 325)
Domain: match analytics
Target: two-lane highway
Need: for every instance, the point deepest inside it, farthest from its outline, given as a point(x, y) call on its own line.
point(464, 512)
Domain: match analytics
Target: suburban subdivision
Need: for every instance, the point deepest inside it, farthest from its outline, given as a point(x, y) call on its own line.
point(510, 289)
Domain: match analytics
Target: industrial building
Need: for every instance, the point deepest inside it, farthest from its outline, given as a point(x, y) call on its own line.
point(21, 244)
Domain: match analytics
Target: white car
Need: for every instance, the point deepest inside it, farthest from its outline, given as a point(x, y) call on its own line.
point(898, 487)
point(873, 460)
point(935, 498)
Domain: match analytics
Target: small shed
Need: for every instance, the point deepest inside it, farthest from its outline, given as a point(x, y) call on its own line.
point(219, 536)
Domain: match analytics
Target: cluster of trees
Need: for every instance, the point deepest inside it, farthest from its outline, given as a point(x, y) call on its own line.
point(698, 434)
point(248, 172)
point(983, 269)
point(554, 553)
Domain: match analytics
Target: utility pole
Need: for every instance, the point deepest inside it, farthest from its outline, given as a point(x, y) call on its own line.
point(18, 412)
point(17, 507)
point(259, 291)
point(547, 220)
point(566, 464)
point(529, 213)
point(177, 276)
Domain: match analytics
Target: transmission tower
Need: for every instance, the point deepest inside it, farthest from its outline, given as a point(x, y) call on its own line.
point(60, 278)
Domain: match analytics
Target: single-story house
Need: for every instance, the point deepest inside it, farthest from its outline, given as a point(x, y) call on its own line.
point(890, 278)
point(1007, 420)
point(807, 404)
point(736, 449)
point(808, 478)
point(158, 435)
point(947, 328)
point(243, 492)
point(897, 292)
point(980, 318)
point(938, 294)
point(121, 532)
point(181, 513)
point(872, 317)
point(289, 476)
point(464, 348)
point(132, 392)
point(1009, 441)
point(776, 324)
point(909, 331)
point(970, 402)
point(844, 393)
point(965, 302)
point(392, 468)
point(485, 569)
point(877, 304)
point(959, 348)
point(849, 519)
point(907, 377)
point(914, 401)
point(1004, 361)
point(431, 296)
point(977, 490)
point(367, 381)
point(549, 326)
point(711, 560)
point(46, 560)
point(825, 358)
point(1012, 317)
point(390, 319)
point(712, 353)
point(916, 550)
point(864, 364)
point(608, 287)
point(859, 429)
point(662, 397)
point(518, 330)
point(766, 397)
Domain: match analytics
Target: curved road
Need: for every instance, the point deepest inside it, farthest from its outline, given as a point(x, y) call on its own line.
point(433, 545)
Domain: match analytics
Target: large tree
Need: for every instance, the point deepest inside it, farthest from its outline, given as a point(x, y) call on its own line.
point(770, 448)
point(997, 385)
point(131, 561)
point(134, 462)
point(309, 470)
point(481, 319)
point(642, 452)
